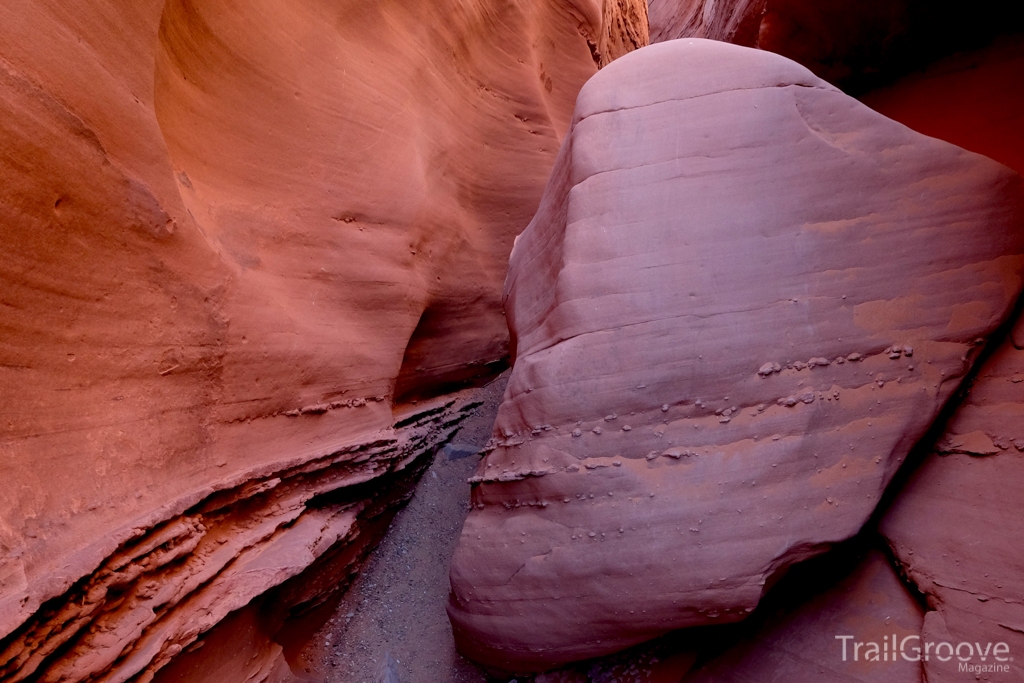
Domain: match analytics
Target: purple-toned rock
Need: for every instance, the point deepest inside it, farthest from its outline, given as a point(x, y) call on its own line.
point(714, 210)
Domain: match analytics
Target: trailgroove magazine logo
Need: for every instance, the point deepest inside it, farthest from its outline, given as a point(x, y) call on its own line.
point(969, 657)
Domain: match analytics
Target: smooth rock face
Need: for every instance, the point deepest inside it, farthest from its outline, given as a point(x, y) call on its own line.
point(239, 240)
point(871, 604)
point(836, 39)
point(744, 298)
point(956, 526)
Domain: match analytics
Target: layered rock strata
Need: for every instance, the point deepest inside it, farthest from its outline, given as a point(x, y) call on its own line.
point(167, 585)
point(624, 28)
point(743, 300)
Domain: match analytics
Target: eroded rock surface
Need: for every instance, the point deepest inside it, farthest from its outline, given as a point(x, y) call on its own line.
point(744, 298)
point(624, 28)
point(736, 22)
point(160, 591)
point(240, 240)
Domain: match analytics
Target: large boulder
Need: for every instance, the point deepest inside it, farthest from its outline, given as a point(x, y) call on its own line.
point(744, 298)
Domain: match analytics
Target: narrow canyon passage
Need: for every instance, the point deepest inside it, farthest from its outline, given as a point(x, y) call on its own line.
point(398, 604)
point(754, 268)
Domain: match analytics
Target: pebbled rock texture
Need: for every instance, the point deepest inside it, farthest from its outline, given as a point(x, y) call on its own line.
point(744, 298)
point(240, 241)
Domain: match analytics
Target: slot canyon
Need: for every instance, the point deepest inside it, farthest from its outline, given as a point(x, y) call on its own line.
point(547, 341)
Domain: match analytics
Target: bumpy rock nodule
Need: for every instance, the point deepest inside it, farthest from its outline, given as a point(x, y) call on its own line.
point(715, 209)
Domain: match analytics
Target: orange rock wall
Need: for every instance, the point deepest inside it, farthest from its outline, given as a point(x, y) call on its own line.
point(237, 236)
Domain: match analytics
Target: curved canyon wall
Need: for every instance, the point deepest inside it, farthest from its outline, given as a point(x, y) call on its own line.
point(249, 247)
point(967, 99)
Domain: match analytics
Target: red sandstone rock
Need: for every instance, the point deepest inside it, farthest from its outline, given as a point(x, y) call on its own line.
point(236, 238)
point(966, 99)
point(852, 42)
point(737, 22)
point(956, 526)
point(836, 39)
point(744, 298)
point(624, 28)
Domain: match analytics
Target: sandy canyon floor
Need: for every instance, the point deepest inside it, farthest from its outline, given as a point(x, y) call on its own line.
point(396, 607)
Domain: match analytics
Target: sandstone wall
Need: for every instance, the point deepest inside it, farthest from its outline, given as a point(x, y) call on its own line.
point(245, 246)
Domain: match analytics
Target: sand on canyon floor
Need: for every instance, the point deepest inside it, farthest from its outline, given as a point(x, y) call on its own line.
point(396, 607)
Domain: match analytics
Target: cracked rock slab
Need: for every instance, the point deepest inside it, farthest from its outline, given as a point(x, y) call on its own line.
point(956, 527)
point(715, 209)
